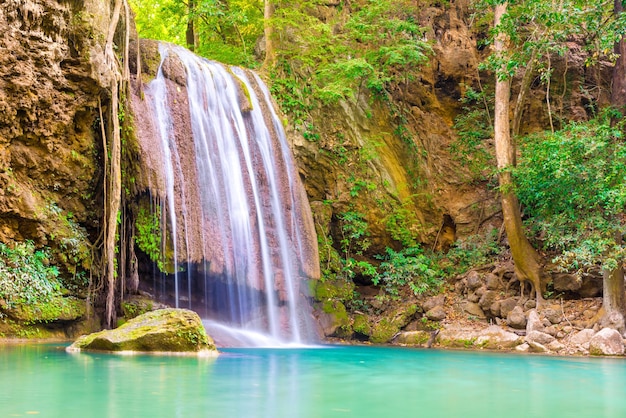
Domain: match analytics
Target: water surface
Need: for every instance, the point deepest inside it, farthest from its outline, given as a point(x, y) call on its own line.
point(361, 382)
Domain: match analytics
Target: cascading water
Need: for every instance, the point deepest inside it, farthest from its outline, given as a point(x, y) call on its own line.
point(242, 237)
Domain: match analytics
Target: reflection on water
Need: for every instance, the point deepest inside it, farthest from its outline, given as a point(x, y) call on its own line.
point(325, 382)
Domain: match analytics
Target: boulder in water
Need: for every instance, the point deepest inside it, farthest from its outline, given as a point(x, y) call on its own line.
point(161, 331)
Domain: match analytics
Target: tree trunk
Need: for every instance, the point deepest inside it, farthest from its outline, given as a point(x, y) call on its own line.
point(618, 90)
point(613, 298)
point(270, 51)
point(524, 255)
point(190, 34)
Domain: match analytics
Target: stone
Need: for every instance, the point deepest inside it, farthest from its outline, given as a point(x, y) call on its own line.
point(614, 320)
point(473, 280)
point(473, 297)
point(495, 309)
point(495, 337)
point(506, 306)
point(534, 322)
point(487, 300)
point(552, 330)
point(493, 282)
point(556, 346)
point(591, 286)
point(163, 331)
point(57, 309)
point(539, 337)
point(433, 301)
point(416, 338)
point(530, 304)
point(516, 318)
point(582, 337)
point(523, 348)
point(607, 342)
point(564, 282)
point(553, 314)
point(537, 347)
point(333, 318)
point(473, 309)
point(436, 314)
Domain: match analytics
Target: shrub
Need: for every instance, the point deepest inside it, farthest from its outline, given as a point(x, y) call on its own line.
point(25, 275)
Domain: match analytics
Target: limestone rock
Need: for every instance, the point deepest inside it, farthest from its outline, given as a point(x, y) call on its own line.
point(539, 337)
point(164, 330)
point(493, 282)
point(436, 314)
point(582, 337)
point(506, 306)
point(487, 300)
point(553, 314)
point(473, 309)
point(523, 348)
point(416, 338)
point(566, 282)
point(473, 280)
point(516, 318)
point(537, 347)
point(556, 346)
point(534, 322)
point(496, 337)
point(433, 301)
point(607, 342)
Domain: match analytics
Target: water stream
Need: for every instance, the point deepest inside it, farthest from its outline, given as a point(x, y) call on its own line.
point(234, 203)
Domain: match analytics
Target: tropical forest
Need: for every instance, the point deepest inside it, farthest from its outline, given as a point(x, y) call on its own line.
point(312, 208)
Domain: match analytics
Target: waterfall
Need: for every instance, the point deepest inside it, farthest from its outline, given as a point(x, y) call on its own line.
point(241, 233)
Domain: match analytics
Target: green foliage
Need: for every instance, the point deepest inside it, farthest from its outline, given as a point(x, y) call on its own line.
point(26, 277)
point(226, 31)
point(401, 223)
point(471, 252)
point(149, 236)
point(354, 233)
point(474, 128)
point(573, 186)
point(409, 267)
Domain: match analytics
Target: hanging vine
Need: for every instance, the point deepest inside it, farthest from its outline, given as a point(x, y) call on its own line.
point(120, 76)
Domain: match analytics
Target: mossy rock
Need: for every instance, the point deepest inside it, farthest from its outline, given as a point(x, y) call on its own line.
point(413, 338)
point(332, 289)
point(334, 319)
point(385, 329)
point(361, 324)
point(58, 308)
point(164, 330)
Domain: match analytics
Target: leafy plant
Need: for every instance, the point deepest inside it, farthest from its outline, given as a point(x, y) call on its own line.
point(573, 186)
point(149, 237)
point(26, 277)
point(409, 267)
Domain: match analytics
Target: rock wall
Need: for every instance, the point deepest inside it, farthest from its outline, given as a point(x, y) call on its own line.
point(51, 79)
point(52, 86)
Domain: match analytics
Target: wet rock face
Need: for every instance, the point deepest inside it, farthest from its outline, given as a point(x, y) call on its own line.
point(50, 81)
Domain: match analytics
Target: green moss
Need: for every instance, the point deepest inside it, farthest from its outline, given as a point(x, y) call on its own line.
point(58, 308)
point(361, 324)
point(383, 331)
point(333, 289)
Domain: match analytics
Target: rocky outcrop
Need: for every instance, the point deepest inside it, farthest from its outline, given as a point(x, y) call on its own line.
point(51, 80)
point(606, 342)
point(160, 331)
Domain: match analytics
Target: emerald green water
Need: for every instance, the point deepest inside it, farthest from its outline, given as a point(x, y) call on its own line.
point(45, 381)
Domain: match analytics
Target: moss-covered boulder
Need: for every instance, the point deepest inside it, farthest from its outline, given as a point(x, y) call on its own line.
point(164, 330)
